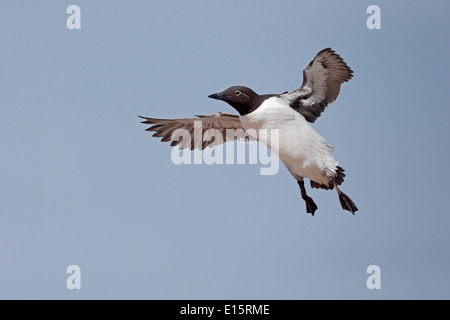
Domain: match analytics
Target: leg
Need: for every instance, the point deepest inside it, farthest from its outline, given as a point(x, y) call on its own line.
point(346, 202)
point(311, 207)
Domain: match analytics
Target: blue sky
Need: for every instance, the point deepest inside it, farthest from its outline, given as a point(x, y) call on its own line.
point(82, 183)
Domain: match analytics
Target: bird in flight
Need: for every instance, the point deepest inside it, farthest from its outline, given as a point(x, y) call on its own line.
point(304, 152)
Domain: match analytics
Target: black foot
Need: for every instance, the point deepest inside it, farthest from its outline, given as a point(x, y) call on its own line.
point(347, 203)
point(311, 207)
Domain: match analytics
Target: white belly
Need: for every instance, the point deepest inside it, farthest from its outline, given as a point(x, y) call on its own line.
point(303, 151)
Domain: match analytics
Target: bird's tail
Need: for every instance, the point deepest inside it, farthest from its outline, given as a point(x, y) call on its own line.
point(338, 179)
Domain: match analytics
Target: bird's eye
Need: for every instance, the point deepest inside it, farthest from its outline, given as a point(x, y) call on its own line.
point(237, 92)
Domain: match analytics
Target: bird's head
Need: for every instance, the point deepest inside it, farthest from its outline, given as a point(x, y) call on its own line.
point(243, 99)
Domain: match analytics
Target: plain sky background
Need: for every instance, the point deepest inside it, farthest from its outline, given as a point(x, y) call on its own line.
point(82, 183)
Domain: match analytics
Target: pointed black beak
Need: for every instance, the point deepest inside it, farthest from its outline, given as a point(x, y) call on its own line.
point(218, 96)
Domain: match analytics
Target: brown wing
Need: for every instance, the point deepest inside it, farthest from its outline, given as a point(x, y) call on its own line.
point(198, 133)
point(322, 81)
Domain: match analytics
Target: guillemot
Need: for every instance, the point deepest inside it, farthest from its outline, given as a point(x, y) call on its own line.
point(304, 152)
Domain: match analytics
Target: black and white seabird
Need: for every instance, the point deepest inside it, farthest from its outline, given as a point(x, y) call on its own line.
point(304, 152)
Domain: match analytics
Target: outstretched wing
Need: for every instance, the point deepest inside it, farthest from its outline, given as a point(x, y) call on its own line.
point(322, 81)
point(198, 130)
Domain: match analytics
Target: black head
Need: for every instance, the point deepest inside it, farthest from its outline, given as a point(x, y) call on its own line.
point(243, 99)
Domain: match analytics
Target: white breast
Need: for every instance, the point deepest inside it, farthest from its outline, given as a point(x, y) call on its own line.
point(304, 152)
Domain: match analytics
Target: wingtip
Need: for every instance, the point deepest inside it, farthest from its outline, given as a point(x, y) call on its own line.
point(145, 119)
point(326, 50)
point(148, 120)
